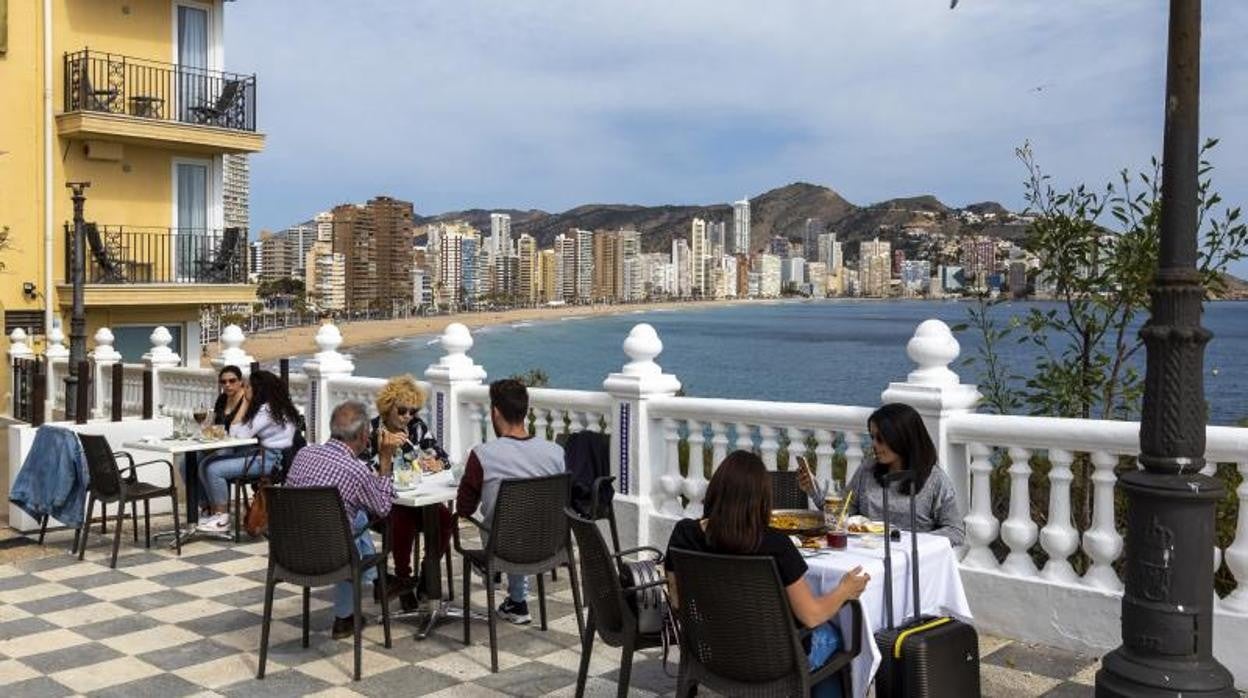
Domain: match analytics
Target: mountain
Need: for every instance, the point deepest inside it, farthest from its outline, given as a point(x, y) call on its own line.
point(782, 211)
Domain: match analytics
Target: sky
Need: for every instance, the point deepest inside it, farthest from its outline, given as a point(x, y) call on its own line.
point(555, 103)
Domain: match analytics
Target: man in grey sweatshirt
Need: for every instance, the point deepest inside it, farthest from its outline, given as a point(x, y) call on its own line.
point(514, 454)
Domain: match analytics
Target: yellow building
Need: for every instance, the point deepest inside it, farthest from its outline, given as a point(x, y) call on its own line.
point(129, 96)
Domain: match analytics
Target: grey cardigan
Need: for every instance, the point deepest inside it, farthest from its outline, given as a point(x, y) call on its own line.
point(936, 505)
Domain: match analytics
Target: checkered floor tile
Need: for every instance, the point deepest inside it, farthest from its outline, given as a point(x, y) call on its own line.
point(161, 625)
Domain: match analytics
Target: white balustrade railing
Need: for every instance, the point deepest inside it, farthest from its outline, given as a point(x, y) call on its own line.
point(808, 429)
point(552, 412)
point(131, 390)
point(185, 390)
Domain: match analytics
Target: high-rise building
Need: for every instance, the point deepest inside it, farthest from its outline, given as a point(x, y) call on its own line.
point(916, 275)
point(584, 264)
point(699, 252)
point(394, 232)
point(979, 259)
point(743, 276)
point(726, 277)
point(811, 232)
point(326, 281)
point(606, 284)
point(899, 259)
point(301, 237)
point(277, 256)
point(792, 273)
point(236, 190)
point(324, 227)
point(450, 268)
point(769, 284)
point(741, 227)
point(355, 238)
point(778, 245)
point(829, 251)
point(506, 278)
point(874, 267)
point(500, 235)
point(632, 286)
point(549, 290)
point(1018, 278)
point(682, 284)
point(530, 273)
point(717, 231)
point(255, 260)
point(565, 265)
point(817, 279)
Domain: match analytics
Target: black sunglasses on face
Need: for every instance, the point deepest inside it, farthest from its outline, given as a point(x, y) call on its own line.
point(405, 411)
point(229, 381)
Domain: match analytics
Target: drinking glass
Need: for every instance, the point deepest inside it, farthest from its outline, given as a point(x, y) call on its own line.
point(833, 501)
point(200, 416)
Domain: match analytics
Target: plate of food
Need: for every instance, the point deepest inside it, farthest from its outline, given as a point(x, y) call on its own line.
point(861, 524)
point(797, 522)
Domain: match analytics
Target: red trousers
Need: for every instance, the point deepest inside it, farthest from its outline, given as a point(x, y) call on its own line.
point(407, 524)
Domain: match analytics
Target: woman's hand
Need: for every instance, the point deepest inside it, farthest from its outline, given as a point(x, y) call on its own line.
point(853, 583)
point(803, 481)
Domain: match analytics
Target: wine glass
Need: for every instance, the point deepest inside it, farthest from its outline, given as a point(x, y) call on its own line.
point(201, 416)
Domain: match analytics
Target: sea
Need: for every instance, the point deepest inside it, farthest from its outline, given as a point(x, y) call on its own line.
point(829, 351)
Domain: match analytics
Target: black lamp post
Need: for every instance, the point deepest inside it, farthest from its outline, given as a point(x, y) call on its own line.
point(78, 320)
point(1167, 606)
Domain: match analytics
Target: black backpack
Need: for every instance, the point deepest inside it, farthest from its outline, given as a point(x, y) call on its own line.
point(587, 456)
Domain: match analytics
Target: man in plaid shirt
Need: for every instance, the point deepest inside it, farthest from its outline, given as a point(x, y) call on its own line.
point(364, 492)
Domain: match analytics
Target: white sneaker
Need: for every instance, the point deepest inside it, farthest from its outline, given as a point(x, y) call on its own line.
point(217, 523)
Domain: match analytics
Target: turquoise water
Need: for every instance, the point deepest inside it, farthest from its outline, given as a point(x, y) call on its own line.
point(842, 352)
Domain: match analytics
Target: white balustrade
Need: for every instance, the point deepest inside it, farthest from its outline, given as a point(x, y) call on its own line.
point(981, 524)
point(185, 389)
point(824, 450)
point(233, 354)
point(1019, 531)
point(745, 437)
point(541, 418)
point(695, 479)
point(719, 442)
point(853, 453)
point(1237, 552)
point(768, 445)
point(1102, 542)
point(1059, 538)
point(670, 484)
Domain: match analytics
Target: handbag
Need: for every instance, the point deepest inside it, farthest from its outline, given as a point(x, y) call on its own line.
point(256, 521)
point(651, 604)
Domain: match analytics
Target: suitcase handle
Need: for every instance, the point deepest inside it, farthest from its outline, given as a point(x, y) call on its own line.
point(899, 477)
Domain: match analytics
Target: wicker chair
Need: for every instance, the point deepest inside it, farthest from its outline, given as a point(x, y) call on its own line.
point(311, 544)
point(610, 613)
point(739, 637)
point(108, 486)
point(786, 493)
point(528, 535)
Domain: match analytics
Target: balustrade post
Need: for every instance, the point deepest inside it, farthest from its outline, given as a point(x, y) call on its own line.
point(981, 525)
point(719, 443)
point(768, 446)
point(695, 478)
point(1059, 537)
point(102, 358)
point(159, 358)
point(453, 372)
point(1237, 552)
point(18, 349)
point(325, 365)
point(57, 355)
point(745, 437)
point(1102, 542)
point(938, 395)
point(669, 485)
point(853, 452)
point(637, 449)
point(233, 354)
point(824, 450)
point(1019, 530)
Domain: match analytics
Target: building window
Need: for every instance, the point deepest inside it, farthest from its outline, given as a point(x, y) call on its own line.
point(133, 341)
point(29, 320)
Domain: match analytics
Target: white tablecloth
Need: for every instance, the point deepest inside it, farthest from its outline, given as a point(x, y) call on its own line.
point(940, 588)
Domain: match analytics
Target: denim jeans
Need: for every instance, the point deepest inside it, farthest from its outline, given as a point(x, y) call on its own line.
point(213, 474)
point(517, 587)
point(344, 599)
point(825, 641)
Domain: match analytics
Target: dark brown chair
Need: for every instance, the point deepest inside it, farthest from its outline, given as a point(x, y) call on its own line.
point(610, 613)
point(737, 632)
point(786, 493)
point(312, 544)
point(528, 535)
point(253, 477)
point(107, 486)
point(216, 113)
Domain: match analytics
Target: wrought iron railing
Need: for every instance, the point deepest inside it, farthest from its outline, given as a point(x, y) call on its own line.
point(117, 254)
point(115, 84)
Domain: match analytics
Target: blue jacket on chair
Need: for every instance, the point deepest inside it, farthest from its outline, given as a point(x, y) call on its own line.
point(53, 479)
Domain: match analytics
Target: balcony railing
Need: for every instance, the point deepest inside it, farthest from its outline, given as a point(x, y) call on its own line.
point(109, 83)
point(118, 254)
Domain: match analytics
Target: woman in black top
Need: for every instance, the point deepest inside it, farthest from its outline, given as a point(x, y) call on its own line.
point(231, 402)
point(737, 510)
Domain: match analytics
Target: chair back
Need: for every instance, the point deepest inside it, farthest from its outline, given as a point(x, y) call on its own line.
point(309, 533)
point(230, 93)
point(786, 493)
point(300, 440)
point(600, 580)
point(529, 525)
point(106, 478)
point(735, 619)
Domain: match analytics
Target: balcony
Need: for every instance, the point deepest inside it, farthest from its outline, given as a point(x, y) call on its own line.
point(130, 265)
point(126, 99)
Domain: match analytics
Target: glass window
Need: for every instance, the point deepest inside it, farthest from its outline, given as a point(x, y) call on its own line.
point(133, 341)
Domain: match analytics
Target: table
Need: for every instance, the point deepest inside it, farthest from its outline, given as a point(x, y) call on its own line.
point(189, 449)
point(436, 488)
point(940, 588)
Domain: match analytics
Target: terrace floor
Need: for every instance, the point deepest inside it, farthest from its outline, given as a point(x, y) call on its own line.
point(160, 625)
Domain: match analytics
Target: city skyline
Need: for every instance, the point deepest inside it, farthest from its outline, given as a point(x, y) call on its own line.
point(943, 119)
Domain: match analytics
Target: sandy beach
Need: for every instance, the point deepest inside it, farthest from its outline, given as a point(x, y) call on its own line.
point(298, 341)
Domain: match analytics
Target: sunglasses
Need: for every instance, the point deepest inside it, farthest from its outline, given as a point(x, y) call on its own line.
point(405, 411)
point(228, 381)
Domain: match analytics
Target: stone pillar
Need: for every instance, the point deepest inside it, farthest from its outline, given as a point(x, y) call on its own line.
point(938, 394)
point(326, 364)
point(102, 359)
point(451, 374)
point(234, 355)
point(637, 453)
point(159, 358)
point(57, 355)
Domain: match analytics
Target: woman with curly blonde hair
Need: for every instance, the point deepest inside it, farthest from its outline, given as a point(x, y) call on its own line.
point(398, 423)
